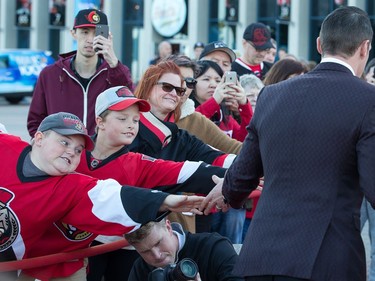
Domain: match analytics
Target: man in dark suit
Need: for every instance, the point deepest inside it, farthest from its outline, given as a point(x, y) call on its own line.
point(313, 139)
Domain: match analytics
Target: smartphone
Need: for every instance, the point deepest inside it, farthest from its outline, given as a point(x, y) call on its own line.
point(231, 77)
point(102, 29)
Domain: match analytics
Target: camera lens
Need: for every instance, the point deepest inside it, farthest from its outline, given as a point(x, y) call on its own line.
point(186, 269)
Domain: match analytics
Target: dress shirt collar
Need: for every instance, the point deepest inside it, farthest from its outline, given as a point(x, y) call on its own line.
point(334, 60)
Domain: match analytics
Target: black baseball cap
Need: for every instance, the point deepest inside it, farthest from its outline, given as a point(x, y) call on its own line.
point(259, 35)
point(89, 18)
point(218, 46)
point(66, 124)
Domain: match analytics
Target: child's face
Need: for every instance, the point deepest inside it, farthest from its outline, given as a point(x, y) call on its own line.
point(58, 154)
point(121, 127)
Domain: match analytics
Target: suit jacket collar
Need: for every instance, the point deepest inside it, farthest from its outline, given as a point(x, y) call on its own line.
point(335, 60)
point(332, 66)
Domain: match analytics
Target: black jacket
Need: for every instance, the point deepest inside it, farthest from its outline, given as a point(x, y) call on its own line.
point(213, 253)
point(176, 145)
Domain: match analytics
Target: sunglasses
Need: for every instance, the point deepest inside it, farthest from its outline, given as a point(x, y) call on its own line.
point(190, 82)
point(169, 88)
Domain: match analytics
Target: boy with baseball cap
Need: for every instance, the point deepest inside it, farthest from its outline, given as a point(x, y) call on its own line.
point(66, 124)
point(38, 187)
point(80, 76)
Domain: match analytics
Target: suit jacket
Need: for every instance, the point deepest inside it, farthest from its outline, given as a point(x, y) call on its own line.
point(313, 139)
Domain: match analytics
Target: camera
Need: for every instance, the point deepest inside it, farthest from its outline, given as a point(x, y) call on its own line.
point(184, 270)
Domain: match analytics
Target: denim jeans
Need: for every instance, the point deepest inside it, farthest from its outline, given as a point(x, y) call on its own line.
point(368, 214)
point(229, 224)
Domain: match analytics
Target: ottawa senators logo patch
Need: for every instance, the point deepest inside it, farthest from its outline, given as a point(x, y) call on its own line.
point(71, 232)
point(9, 224)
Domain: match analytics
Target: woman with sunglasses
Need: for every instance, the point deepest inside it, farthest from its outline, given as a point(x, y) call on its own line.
point(194, 122)
point(216, 99)
point(162, 85)
point(197, 125)
point(158, 134)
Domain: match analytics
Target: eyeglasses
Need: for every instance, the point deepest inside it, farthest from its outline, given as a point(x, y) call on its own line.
point(190, 82)
point(167, 87)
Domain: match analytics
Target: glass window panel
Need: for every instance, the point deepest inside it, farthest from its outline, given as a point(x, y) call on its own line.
point(266, 8)
point(57, 12)
point(23, 13)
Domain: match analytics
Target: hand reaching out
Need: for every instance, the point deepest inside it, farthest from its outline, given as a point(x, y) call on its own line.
point(182, 203)
point(215, 198)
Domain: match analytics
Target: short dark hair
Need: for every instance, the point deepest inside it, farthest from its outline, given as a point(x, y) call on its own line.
point(344, 30)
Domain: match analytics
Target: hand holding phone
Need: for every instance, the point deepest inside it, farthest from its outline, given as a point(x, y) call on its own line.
point(103, 30)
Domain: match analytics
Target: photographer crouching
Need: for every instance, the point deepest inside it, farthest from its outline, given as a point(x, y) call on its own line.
point(169, 253)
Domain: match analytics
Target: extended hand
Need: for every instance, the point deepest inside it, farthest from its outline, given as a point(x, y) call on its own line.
point(215, 198)
point(182, 203)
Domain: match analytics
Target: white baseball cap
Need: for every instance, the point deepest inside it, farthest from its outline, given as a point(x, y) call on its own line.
point(118, 98)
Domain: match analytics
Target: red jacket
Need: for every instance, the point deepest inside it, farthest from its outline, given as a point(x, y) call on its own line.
point(58, 89)
point(231, 127)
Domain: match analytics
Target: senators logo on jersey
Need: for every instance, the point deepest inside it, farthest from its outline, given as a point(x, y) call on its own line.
point(9, 224)
point(71, 232)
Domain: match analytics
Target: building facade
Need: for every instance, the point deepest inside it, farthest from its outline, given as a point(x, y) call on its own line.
point(139, 25)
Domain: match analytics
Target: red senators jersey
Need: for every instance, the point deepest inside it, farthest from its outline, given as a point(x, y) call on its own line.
point(127, 168)
point(29, 206)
